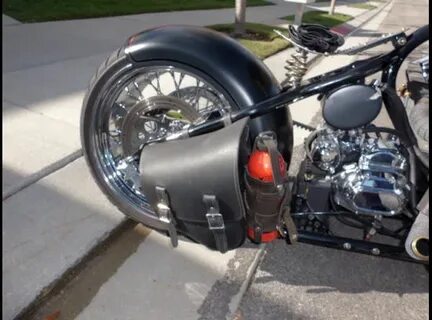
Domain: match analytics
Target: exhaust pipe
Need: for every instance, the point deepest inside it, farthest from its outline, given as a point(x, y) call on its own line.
point(417, 242)
point(420, 248)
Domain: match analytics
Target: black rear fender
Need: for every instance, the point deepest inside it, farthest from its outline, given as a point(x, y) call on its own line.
point(245, 78)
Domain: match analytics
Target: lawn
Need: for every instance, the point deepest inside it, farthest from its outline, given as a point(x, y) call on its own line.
point(365, 6)
point(259, 38)
point(322, 17)
point(49, 10)
point(264, 42)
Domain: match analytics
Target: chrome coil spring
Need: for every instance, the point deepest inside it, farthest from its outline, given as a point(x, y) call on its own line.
point(296, 67)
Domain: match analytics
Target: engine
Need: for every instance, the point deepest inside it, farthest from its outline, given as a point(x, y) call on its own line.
point(365, 173)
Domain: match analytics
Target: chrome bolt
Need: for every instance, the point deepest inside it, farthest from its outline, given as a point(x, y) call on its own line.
point(347, 246)
point(401, 41)
point(376, 251)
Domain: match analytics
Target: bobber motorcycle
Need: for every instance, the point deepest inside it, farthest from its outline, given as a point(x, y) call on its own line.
point(189, 133)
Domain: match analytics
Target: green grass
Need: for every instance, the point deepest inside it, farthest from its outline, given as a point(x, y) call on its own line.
point(49, 10)
point(259, 38)
point(323, 18)
point(264, 42)
point(365, 6)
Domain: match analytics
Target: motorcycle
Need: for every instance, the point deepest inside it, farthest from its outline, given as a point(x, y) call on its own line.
point(189, 133)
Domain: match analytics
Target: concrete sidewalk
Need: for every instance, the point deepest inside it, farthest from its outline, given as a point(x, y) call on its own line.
point(51, 224)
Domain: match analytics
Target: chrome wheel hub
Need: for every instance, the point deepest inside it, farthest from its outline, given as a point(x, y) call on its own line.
point(154, 118)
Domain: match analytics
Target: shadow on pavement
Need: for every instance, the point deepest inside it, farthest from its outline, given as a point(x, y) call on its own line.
point(328, 270)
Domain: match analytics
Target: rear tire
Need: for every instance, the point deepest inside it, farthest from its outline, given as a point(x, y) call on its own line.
point(100, 113)
point(419, 119)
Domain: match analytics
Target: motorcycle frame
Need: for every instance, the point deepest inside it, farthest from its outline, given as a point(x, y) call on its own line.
point(389, 63)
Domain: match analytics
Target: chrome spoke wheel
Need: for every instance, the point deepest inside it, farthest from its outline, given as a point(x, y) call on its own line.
point(143, 105)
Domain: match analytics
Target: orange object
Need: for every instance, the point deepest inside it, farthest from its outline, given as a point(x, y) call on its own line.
point(265, 236)
point(53, 316)
point(259, 166)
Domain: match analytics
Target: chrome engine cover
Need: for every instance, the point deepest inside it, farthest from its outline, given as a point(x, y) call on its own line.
point(369, 175)
point(331, 147)
point(376, 185)
point(325, 151)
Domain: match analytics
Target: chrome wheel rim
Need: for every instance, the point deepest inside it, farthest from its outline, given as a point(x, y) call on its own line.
point(149, 103)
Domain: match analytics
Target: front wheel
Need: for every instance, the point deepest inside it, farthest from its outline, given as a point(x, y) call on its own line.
point(126, 105)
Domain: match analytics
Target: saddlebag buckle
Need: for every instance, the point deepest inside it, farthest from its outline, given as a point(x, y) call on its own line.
point(215, 222)
point(165, 214)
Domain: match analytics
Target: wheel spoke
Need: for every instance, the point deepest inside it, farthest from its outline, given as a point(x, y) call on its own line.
point(140, 96)
point(177, 85)
point(131, 95)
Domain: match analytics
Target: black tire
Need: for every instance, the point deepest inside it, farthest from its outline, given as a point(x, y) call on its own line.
point(419, 118)
point(117, 66)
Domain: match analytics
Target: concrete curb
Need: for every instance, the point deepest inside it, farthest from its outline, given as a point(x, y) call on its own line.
point(236, 300)
point(35, 177)
point(9, 21)
point(59, 283)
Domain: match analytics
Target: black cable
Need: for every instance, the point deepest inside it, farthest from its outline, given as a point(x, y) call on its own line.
point(316, 37)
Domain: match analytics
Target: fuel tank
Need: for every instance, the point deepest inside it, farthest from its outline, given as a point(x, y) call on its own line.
point(351, 106)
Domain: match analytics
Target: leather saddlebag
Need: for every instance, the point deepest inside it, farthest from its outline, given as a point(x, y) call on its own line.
point(195, 185)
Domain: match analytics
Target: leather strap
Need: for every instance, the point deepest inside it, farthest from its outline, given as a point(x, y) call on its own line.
point(216, 222)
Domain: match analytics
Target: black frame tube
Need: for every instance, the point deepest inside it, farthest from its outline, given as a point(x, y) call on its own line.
point(389, 63)
point(358, 246)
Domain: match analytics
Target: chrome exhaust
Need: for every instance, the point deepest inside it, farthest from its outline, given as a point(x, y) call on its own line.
point(420, 248)
point(417, 242)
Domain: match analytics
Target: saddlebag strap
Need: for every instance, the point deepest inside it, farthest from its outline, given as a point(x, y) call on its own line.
point(165, 214)
point(215, 222)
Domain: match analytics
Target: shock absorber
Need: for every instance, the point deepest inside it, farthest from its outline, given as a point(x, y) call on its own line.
point(296, 67)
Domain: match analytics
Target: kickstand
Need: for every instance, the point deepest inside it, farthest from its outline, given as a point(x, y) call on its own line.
point(287, 220)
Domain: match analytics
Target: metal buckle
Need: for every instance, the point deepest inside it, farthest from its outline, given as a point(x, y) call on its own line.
point(165, 214)
point(215, 221)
